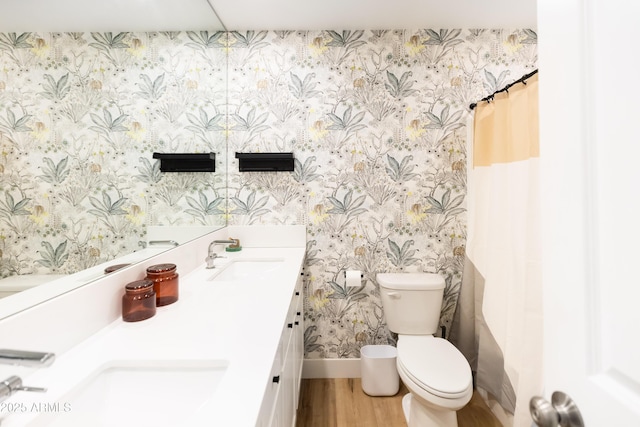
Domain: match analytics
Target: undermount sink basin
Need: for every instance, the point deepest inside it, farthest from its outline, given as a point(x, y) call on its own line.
point(245, 269)
point(154, 393)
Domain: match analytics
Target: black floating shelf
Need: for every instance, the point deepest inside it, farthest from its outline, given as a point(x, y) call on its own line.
point(265, 162)
point(186, 162)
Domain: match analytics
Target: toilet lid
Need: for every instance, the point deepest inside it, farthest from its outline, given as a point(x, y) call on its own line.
point(435, 365)
point(411, 281)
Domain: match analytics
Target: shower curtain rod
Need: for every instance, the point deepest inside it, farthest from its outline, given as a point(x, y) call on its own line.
point(504, 89)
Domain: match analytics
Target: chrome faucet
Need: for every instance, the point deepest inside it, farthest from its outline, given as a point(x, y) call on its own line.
point(26, 358)
point(211, 256)
point(13, 384)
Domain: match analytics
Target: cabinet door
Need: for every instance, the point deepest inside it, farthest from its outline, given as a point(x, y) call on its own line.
point(276, 418)
point(288, 366)
point(298, 346)
point(287, 388)
point(270, 411)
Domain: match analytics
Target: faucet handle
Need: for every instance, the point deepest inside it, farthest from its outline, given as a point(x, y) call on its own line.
point(13, 384)
point(211, 258)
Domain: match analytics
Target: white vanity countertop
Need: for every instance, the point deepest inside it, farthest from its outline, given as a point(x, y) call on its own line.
point(212, 321)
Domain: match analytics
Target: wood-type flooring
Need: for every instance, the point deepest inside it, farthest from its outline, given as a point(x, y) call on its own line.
point(340, 402)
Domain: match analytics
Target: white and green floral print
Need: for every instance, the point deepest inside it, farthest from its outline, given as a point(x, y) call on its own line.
point(376, 121)
point(80, 116)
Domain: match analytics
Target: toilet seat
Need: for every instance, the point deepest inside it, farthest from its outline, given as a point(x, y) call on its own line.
point(434, 365)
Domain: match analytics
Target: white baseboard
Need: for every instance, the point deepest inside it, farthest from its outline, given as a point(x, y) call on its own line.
point(331, 368)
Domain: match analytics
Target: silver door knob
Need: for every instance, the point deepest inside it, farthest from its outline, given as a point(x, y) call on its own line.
point(562, 411)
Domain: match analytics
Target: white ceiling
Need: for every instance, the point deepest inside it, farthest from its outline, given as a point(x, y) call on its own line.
point(374, 14)
point(106, 15)
point(174, 15)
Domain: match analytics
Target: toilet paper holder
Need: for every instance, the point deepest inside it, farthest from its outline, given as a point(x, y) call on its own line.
point(345, 275)
point(353, 278)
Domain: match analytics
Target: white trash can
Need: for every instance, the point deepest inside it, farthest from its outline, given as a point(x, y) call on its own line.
point(378, 370)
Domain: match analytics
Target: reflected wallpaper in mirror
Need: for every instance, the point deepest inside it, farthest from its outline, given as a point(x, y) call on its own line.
point(80, 117)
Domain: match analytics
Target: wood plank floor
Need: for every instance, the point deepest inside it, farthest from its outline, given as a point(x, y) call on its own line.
point(340, 402)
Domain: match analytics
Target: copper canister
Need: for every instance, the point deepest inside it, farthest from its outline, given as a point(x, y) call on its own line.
point(165, 283)
point(139, 301)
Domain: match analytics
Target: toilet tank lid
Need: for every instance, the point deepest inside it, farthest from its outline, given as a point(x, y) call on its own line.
point(411, 281)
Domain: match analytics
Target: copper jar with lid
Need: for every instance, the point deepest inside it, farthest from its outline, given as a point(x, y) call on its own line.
point(165, 283)
point(139, 301)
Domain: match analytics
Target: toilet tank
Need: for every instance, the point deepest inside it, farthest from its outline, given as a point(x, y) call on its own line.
point(411, 302)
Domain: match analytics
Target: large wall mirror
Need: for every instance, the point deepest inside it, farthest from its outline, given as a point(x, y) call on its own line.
point(81, 114)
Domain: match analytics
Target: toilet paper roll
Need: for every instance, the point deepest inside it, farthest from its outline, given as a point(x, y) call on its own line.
point(353, 278)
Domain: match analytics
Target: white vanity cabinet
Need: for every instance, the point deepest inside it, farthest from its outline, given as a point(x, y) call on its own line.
point(231, 368)
point(280, 402)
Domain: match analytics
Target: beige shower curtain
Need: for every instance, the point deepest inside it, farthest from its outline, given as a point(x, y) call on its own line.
point(498, 323)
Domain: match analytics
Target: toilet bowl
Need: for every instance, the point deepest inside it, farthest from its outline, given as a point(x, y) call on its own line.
point(438, 378)
point(436, 374)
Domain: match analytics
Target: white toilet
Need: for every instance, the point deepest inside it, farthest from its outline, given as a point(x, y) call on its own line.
point(437, 375)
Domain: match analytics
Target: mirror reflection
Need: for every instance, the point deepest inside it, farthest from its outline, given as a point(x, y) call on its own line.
point(80, 117)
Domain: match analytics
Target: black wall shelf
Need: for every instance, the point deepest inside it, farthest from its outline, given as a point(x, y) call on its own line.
point(265, 162)
point(186, 162)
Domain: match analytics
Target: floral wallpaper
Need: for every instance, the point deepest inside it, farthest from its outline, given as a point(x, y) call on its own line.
point(80, 116)
point(376, 121)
